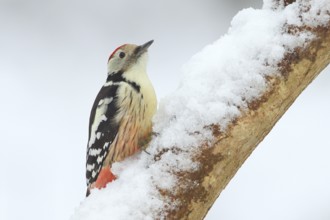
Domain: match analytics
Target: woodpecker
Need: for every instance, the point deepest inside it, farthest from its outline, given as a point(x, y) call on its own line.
point(120, 122)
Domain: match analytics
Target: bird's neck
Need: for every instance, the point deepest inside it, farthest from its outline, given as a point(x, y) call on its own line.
point(118, 77)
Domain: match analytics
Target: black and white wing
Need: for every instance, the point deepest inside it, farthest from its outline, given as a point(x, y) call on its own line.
point(102, 130)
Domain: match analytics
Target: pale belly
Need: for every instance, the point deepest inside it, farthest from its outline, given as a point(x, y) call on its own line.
point(135, 125)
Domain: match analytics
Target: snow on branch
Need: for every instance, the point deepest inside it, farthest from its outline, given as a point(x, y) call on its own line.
point(232, 94)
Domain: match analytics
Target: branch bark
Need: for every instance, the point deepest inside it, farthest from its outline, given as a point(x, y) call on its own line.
point(197, 191)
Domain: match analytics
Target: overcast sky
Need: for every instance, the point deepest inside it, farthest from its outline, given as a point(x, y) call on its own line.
point(52, 63)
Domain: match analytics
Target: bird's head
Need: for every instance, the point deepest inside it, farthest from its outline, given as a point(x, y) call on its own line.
point(127, 56)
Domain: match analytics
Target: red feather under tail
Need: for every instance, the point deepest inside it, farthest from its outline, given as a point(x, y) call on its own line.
point(105, 176)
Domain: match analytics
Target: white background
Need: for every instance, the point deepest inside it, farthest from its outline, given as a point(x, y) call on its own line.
point(52, 63)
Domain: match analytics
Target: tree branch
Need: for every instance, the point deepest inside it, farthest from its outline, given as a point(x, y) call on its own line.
point(198, 190)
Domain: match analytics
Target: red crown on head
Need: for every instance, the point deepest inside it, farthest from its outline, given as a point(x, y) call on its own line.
point(113, 53)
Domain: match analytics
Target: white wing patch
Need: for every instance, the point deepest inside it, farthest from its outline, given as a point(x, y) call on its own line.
point(110, 83)
point(100, 158)
point(106, 145)
point(100, 102)
point(99, 117)
point(94, 152)
point(107, 101)
point(90, 167)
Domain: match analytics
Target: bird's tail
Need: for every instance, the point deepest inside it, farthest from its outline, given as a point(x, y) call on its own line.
point(88, 191)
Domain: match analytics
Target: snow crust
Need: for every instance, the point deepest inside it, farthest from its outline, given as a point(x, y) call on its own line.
point(217, 84)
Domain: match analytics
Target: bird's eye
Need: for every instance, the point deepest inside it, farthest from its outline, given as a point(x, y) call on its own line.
point(122, 55)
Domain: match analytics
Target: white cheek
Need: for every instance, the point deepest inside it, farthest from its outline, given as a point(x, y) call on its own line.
point(114, 65)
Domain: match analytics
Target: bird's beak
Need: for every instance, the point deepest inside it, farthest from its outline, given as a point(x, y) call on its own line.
point(143, 48)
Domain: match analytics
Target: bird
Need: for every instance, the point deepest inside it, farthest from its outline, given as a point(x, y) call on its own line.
point(120, 122)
